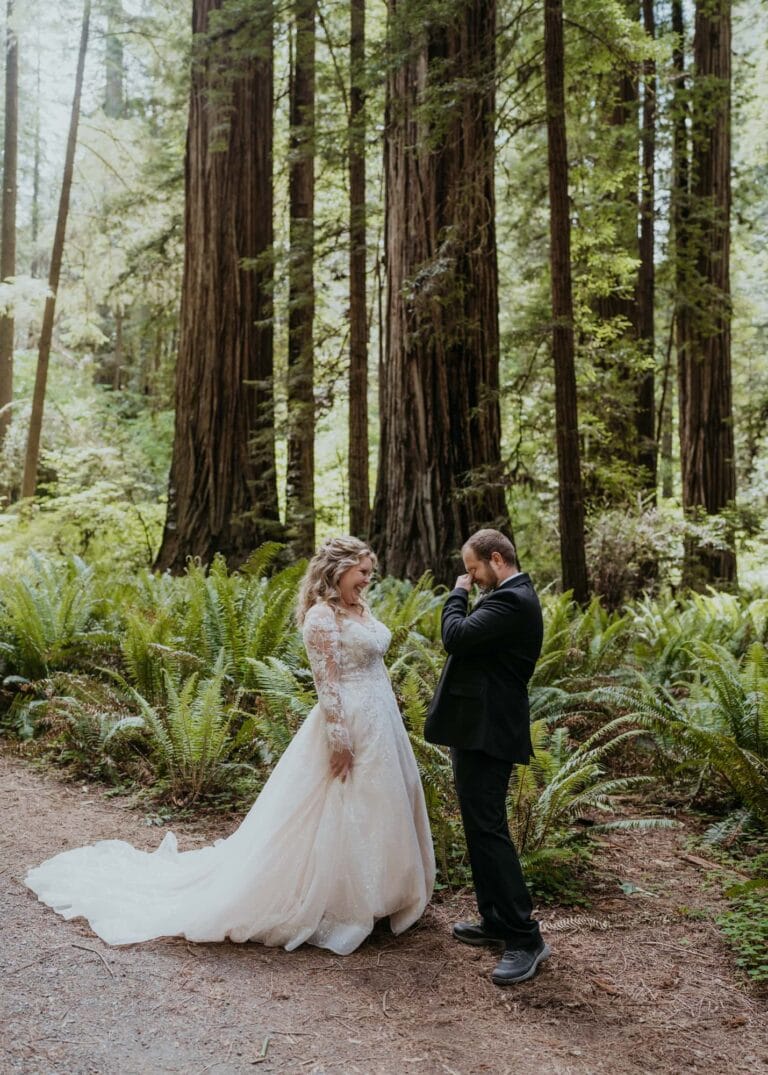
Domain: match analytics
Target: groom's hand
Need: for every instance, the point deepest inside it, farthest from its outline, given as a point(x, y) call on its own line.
point(464, 582)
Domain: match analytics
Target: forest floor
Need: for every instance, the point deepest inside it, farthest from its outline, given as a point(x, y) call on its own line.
point(638, 983)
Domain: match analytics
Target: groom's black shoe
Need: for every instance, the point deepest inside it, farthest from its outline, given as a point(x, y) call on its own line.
point(519, 964)
point(475, 933)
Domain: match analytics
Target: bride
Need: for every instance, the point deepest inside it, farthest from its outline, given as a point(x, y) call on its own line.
point(338, 837)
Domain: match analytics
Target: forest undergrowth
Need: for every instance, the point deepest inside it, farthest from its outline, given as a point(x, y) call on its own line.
point(183, 693)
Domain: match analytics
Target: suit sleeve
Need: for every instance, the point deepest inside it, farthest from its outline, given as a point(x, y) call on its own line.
point(466, 634)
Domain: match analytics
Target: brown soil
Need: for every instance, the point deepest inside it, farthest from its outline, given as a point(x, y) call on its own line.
point(637, 984)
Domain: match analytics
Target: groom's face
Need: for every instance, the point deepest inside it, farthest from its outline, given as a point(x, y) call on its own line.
point(480, 571)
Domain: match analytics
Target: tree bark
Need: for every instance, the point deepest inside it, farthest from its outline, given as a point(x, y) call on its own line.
point(222, 488)
point(645, 412)
point(571, 500)
point(359, 492)
point(8, 235)
point(300, 478)
point(705, 391)
point(679, 211)
point(439, 475)
point(32, 455)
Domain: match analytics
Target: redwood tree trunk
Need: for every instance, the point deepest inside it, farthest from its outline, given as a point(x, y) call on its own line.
point(706, 414)
point(359, 492)
point(439, 475)
point(645, 412)
point(571, 498)
point(222, 488)
point(32, 454)
point(8, 236)
point(300, 484)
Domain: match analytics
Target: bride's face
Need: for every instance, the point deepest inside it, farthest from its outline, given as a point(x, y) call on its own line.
point(355, 580)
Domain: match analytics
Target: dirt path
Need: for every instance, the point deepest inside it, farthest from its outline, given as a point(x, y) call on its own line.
point(642, 984)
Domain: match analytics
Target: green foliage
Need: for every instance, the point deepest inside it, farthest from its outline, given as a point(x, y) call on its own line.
point(562, 784)
point(191, 744)
point(246, 617)
point(49, 617)
point(102, 472)
point(286, 695)
point(413, 607)
point(95, 735)
point(745, 924)
point(699, 737)
point(730, 696)
point(188, 682)
point(666, 632)
point(579, 644)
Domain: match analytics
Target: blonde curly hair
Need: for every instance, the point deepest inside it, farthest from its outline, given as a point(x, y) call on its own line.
point(321, 580)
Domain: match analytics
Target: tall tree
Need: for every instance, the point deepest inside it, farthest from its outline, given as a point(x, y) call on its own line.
point(8, 234)
point(571, 499)
point(679, 209)
point(32, 454)
point(222, 487)
point(300, 476)
point(439, 474)
point(704, 371)
point(359, 492)
point(645, 411)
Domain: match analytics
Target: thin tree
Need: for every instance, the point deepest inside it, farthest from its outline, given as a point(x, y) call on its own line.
point(571, 499)
point(679, 208)
point(8, 234)
point(439, 474)
point(704, 370)
point(35, 210)
point(300, 475)
point(32, 455)
point(222, 486)
point(359, 492)
point(645, 411)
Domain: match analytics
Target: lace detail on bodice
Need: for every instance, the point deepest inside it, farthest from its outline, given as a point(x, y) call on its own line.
point(341, 650)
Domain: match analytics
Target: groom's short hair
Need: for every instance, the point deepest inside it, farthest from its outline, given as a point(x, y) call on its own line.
point(484, 543)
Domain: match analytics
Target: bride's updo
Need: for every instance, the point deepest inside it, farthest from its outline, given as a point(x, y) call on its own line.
point(321, 581)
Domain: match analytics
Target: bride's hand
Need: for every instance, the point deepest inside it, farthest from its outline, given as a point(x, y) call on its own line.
point(341, 763)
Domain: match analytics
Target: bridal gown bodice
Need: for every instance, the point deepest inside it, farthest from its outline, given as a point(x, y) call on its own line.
point(315, 860)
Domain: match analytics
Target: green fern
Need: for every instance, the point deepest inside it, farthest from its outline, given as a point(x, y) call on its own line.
point(49, 617)
point(561, 783)
point(190, 733)
point(579, 644)
point(686, 730)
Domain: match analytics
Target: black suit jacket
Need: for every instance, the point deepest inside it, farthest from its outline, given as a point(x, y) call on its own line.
point(481, 701)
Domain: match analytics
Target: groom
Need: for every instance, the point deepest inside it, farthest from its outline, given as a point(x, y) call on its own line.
point(480, 710)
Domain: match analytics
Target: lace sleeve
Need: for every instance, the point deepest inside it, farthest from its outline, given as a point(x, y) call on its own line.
point(323, 641)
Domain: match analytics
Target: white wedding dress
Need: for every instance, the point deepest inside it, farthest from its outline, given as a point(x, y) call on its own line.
point(316, 860)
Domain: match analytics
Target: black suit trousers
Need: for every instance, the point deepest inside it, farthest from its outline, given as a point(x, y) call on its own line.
point(503, 898)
